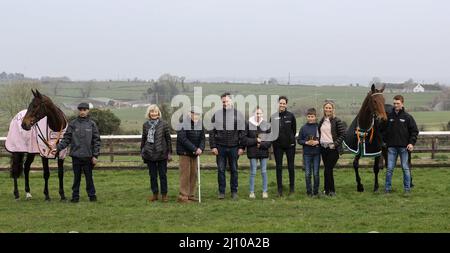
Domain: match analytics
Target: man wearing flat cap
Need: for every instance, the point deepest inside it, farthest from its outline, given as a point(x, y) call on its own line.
point(84, 139)
point(190, 144)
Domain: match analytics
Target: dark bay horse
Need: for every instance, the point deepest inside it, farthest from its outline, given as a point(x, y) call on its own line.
point(41, 106)
point(364, 137)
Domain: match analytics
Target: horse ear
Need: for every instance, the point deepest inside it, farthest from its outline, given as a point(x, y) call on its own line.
point(38, 94)
point(382, 88)
point(34, 93)
point(373, 88)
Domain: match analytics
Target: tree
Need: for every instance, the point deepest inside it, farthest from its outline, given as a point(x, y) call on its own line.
point(86, 89)
point(17, 96)
point(375, 80)
point(273, 81)
point(107, 122)
point(163, 90)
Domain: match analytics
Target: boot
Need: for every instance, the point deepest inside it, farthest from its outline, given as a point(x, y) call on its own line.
point(153, 198)
point(164, 198)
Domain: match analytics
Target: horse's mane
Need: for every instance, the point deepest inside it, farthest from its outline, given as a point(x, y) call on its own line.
point(56, 119)
point(364, 115)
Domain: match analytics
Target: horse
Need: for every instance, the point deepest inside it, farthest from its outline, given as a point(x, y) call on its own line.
point(380, 160)
point(42, 113)
point(364, 137)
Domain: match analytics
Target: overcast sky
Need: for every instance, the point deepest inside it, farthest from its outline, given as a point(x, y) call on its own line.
point(103, 39)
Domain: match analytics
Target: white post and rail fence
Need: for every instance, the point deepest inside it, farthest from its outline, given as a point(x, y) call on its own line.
point(122, 152)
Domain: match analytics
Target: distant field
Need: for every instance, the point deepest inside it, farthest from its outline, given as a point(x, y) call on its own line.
point(348, 100)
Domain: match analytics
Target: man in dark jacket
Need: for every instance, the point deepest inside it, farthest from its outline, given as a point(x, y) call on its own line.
point(226, 141)
point(84, 139)
point(400, 136)
point(190, 145)
point(285, 143)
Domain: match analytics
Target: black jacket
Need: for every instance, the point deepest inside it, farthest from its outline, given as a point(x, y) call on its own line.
point(228, 134)
point(250, 139)
point(401, 129)
point(189, 139)
point(337, 132)
point(83, 137)
point(162, 146)
point(287, 129)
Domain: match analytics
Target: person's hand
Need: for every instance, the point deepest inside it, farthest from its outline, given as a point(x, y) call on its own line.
point(240, 151)
point(215, 151)
point(258, 140)
point(314, 143)
point(53, 152)
point(332, 146)
point(258, 145)
point(94, 161)
point(410, 147)
point(198, 151)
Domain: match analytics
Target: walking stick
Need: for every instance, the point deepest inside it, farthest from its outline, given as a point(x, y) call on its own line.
point(198, 172)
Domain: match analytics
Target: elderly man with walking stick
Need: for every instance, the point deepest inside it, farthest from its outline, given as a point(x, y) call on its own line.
point(190, 145)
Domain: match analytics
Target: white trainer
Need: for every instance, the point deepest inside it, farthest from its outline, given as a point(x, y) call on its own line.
point(252, 195)
point(265, 195)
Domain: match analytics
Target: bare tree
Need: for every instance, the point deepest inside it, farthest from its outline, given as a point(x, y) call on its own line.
point(17, 96)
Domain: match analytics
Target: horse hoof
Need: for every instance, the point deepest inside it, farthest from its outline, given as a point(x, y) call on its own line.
point(28, 196)
point(360, 188)
point(47, 198)
point(63, 199)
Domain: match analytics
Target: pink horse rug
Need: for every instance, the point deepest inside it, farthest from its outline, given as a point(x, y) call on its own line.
point(20, 140)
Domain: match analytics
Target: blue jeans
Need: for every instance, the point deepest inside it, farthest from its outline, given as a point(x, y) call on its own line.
point(312, 163)
point(253, 166)
point(230, 155)
point(393, 153)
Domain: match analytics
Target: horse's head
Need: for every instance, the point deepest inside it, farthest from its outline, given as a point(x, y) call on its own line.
point(377, 101)
point(36, 110)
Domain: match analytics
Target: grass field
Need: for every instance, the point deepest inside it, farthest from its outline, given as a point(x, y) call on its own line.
point(122, 206)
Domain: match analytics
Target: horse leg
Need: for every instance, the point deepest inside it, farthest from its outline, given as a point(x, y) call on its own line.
point(46, 177)
point(376, 169)
point(61, 178)
point(26, 170)
point(359, 186)
point(16, 168)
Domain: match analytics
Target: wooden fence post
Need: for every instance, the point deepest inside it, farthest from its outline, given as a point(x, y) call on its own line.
point(111, 150)
point(433, 146)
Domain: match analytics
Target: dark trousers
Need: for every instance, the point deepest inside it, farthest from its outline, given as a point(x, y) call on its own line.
point(290, 155)
point(329, 158)
point(230, 155)
point(82, 165)
point(155, 168)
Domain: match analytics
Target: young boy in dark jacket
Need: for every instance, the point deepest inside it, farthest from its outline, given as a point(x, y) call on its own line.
point(84, 139)
point(309, 138)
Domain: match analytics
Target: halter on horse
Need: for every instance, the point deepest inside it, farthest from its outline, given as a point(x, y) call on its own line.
point(363, 137)
point(21, 142)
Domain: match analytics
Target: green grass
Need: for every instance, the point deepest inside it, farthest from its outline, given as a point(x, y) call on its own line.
point(122, 206)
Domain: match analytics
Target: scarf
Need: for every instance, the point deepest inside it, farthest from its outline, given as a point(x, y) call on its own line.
point(151, 131)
